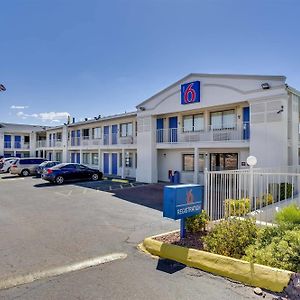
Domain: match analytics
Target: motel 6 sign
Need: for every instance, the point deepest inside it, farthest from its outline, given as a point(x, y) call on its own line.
point(190, 92)
point(182, 201)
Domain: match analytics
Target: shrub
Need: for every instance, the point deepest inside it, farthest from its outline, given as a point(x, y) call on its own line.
point(231, 237)
point(266, 199)
point(281, 191)
point(276, 248)
point(289, 216)
point(197, 223)
point(237, 207)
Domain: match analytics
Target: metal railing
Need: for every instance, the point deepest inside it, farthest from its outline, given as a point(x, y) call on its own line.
point(41, 144)
point(245, 193)
point(108, 139)
point(16, 145)
point(237, 132)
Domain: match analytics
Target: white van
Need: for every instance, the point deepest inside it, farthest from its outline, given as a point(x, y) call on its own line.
point(6, 164)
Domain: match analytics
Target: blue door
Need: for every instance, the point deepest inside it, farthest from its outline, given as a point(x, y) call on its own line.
point(114, 133)
point(50, 139)
point(54, 137)
point(246, 123)
point(78, 137)
point(7, 141)
point(72, 138)
point(173, 130)
point(105, 163)
point(17, 141)
point(19, 155)
point(159, 130)
point(72, 157)
point(78, 158)
point(114, 163)
point(106, 135)
point(50, 155)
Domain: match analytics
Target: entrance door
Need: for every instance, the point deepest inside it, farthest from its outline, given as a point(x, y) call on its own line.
point(72, 157)
point(7, 141)
point(246, 125)
point(105, 163)
point(78, 158)
point(78, 137)
point(114, 133)
point(50, 155)
point(173, 130)
point(17, 141)
point(114, 163)
point(106, 135)
point(223, 161)
point(160, 130)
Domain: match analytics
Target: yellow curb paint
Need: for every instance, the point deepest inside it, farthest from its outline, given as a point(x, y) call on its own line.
point(251, 274)
point(120, 180)
point(28, 278)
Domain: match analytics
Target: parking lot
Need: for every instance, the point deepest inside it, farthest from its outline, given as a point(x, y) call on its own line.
point(44, 226)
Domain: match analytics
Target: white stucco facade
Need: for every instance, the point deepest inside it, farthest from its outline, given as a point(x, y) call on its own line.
point(235, 118)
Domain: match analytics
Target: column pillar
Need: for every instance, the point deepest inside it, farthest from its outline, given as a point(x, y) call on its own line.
point(123, 163)
point(99, 160)
point(196, 165)
point(80, 156)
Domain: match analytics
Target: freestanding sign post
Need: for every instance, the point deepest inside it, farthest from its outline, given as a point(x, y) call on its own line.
point(182, 201)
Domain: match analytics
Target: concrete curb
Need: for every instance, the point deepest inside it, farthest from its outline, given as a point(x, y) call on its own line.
point(248, 273)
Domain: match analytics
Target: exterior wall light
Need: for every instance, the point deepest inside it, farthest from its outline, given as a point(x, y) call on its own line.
point(265, 86)
point(251, 161)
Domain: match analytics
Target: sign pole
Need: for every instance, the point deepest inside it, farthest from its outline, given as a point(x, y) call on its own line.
point(182, 228)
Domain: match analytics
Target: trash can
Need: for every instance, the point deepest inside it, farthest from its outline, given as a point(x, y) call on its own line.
point(176, 177)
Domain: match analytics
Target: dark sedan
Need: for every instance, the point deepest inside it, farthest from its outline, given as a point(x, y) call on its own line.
point(43, 167)
point(69, 171)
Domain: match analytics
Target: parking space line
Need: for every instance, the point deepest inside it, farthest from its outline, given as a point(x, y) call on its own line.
point(24, 279)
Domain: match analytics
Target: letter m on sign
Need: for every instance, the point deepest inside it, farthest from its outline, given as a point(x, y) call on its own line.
point(190, 92)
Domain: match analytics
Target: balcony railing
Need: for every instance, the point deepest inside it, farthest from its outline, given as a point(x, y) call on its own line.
point(238, 132)
point(16, 145)
point(107, 139)
point(41, 144)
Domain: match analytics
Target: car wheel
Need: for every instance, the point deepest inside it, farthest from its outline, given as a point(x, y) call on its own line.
point(59, 180)
point(8, 170)
point(95, 177)
point(25, 173)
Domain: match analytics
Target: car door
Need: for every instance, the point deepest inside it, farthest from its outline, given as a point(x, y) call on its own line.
point(69, 172)
point(83, 172)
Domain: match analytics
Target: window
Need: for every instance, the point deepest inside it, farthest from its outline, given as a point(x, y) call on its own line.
point(223, 120)
point(26, 139)
point(188, 162)
point(223, 161)
point(86, 158)
point(126, 129)
point(95, 159)
point(128, 159)
point(96, 132)
point(68, 167)
point(58, 156)
point(59, 136)
point(120, 160)
point(193, 123)
point(86, 134)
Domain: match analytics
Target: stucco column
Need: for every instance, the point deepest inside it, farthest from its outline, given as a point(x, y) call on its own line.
point(64, 142)
point(80, 156)
point(123, 163)
point(32, 142)
point(1, 143)
point(99, 160)
point(196, 165)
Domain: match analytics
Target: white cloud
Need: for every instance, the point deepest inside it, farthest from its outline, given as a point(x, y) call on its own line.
point(19, 107)
point(52, 116)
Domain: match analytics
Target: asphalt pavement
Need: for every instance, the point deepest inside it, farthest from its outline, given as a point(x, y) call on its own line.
point(45, 227)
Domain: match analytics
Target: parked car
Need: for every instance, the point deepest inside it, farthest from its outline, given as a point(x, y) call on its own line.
point(44, 166)
point(6, 163)
point(70, 171)
point(26, 166)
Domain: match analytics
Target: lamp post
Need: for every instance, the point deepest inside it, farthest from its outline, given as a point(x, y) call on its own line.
point(251, 161)
point(2, 88)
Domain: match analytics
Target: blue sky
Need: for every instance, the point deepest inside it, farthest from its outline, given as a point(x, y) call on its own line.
point(93, 57)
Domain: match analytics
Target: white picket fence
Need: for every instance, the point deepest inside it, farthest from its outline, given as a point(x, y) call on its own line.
point(248, 193)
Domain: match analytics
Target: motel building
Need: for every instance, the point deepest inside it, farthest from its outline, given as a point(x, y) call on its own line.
point(201, 121)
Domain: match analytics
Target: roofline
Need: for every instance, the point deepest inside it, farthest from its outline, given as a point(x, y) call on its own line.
point(265, 77)
point(293, 90)
point(29, 125)
point(113, 117)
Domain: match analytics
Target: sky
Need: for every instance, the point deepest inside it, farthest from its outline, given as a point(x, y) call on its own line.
point(90, 57)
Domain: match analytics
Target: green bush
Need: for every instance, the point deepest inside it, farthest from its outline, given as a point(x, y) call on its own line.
point(277, 248)
point(237, 207)
point(289, 216)
point(281, 191)
point(197, 223)
point(231, 237)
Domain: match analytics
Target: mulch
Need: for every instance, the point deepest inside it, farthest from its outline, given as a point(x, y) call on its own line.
point(192, 240)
